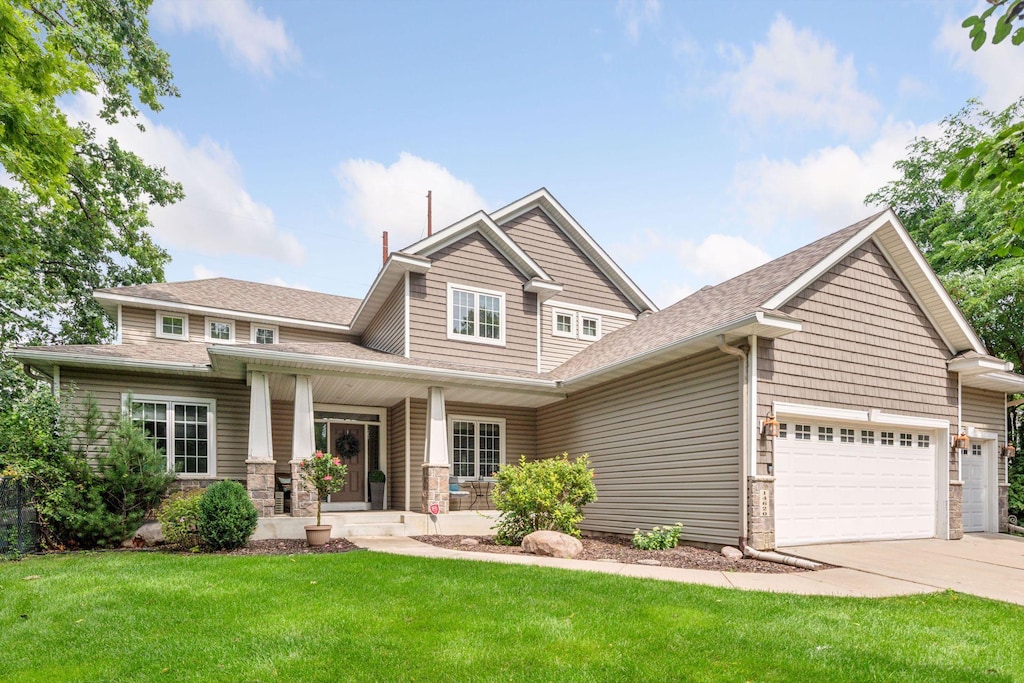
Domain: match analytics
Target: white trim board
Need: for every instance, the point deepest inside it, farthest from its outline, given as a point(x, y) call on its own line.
point(870, 416)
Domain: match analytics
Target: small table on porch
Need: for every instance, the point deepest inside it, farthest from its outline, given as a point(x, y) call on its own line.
point(481, 490)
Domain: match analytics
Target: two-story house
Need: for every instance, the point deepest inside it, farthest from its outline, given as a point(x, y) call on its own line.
point(513, 333)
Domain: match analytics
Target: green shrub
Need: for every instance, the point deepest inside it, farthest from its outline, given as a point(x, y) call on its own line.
point(543, 494)
point(227, 517)
point(658, 538)
point(179, 519)
point(376, 476)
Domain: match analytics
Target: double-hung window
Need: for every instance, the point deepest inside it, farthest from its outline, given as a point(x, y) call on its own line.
point(478, 446)
point(171, 325)
point(182, 429)
point(476, 315)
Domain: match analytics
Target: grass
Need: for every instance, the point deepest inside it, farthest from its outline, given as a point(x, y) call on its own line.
point(372, 617)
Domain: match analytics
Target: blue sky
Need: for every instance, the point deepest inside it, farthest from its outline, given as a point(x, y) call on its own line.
point(693, 140)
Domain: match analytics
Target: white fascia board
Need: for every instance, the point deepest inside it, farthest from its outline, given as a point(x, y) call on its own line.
point(878, 417)
point(159, 304)
point(425, 372)
point(78, 360)
point(982, 434)
point(482, 223)
point(546, 202)
point(1008, 382)
point(974, 366)
point(395, 267)
point(820, 412)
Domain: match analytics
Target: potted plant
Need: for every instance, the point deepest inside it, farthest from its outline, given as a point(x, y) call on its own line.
point(377, 480)
point(327, 475)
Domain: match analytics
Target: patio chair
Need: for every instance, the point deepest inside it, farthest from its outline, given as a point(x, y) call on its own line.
point(455, 492)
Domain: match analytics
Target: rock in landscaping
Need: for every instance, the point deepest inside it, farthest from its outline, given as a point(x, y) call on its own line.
point(469, 542)
point(730, 553)
point(552, 544)
point(148, 535)
point(650, 562)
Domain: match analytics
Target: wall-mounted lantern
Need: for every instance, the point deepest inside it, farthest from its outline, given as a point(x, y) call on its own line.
point(962, 441)
point(770, 427)
point(1009, 451)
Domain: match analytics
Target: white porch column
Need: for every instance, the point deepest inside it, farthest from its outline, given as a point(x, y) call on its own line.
point(303, 445)
point(259, 465)
point(435, 455)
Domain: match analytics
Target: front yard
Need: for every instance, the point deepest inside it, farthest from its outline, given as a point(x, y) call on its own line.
point(123, 616)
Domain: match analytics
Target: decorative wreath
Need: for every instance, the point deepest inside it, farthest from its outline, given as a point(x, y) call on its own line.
point(347, 445)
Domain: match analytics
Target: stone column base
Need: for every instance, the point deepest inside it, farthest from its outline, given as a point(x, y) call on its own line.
point(435, 488)
point(956, 510)
point(761, 512)
point(259, 480)
point(303, 495)
point(1004, 508)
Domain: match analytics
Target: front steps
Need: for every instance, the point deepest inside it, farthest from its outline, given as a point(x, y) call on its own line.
point(381, 523)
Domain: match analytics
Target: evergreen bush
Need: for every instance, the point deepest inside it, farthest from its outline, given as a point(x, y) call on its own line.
point(227, 517)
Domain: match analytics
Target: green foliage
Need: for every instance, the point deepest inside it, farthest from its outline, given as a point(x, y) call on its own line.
point(376, 476)
point(658, 538)
point(324, 473)
point(542, 494)
point(179, 519)
point(1013, 10)
point(227, 516)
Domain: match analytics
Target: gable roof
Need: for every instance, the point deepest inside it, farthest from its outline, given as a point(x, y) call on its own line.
point(732, 305)
point(226, 296)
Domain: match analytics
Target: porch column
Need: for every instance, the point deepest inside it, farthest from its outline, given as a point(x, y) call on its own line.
point(303, 445)
point(259, 462)
point(436, 468)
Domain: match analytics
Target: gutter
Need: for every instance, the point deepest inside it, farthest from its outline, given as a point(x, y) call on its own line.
point(75, 360)
point(745, 419)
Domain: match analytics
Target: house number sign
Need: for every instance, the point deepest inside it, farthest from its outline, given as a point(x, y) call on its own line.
point(764, 503)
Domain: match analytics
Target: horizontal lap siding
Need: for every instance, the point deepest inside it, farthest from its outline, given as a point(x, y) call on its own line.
point(297, 335)
point(282, 417)
point(664, 445)
point(567, 265)
point(520, 427)
point(386, 332)
point(865, 344)
point(138, 326)
point(396, 456)
point(556, 350)
point(986, 410)
point(474, 262)
point(232, 406)
point(417, 440)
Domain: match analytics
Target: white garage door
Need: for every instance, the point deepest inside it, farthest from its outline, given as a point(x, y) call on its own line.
point(974, 489)
point(837, 482)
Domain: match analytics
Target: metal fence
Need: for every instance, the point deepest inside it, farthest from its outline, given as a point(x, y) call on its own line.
point(19, 533)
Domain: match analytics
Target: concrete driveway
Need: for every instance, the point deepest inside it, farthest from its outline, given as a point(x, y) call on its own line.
point(987, 565)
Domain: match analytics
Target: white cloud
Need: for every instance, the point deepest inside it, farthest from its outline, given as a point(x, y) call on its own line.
point(720, 257)
point(245, 34)
point(911, 88)
point(636, 14)
point(281, 282)
point(201, 272)
point(998, 68)
point(797, 77)
point(826, 188)
point(218, 215)
point(393, 198)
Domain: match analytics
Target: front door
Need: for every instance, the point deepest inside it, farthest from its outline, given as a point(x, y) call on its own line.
point(348, 442)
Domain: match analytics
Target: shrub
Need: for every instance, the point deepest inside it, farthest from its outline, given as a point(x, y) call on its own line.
point(179, 519)
point(376, 476)
point(326, 474)
point(543, 494)
point(658, 538)
point(227, 517)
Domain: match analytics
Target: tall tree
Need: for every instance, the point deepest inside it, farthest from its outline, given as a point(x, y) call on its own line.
point(74, 211)
point(965, 231)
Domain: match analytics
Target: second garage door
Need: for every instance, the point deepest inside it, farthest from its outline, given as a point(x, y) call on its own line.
point(837, 482)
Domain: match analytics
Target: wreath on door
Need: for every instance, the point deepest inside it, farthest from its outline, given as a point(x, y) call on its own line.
point(347, 445)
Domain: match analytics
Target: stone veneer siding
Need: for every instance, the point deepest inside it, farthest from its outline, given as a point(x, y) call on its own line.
point(956, 515)
point(760, 527)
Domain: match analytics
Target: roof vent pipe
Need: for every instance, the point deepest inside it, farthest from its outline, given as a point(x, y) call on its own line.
point(385, 246)
point(430, 219)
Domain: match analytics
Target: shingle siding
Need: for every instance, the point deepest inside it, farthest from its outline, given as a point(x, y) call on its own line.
point(986, 410)
point(665, 445)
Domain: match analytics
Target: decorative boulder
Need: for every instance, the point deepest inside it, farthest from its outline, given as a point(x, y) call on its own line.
point(731, 553)
point(552, 544)
point(149, 534)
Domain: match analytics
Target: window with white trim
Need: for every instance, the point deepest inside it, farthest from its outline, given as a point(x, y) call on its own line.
point(867, 436)
point(803, 432)
point(220, 330)
point(476, 315)
point(478, 446)
point(923, 441)
point(846, 435)
point(263, 334)
point(887, 438)
point(906, 439)
point(563, 324)
point(172, 325)
point(182, 429)
point(590, 327)
point(824, 434)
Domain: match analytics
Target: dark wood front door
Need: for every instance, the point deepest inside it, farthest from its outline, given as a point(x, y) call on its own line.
point(350, 439)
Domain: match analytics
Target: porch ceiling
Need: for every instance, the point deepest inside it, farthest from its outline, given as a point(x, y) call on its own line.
point(365, 391)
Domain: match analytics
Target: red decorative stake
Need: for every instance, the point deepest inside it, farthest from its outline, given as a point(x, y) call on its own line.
point(434, 508)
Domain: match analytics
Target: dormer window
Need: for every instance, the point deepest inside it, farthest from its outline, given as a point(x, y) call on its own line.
point(220, 330)
point(264, 334)
point(476, 315)
point(171, 325)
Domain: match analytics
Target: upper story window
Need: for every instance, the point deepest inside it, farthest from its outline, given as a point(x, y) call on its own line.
point(563, 324)
point(264, 334)
point(476, 315)
point(575, 325)
point(220, 330)
point(590, 326)
point(171, 325)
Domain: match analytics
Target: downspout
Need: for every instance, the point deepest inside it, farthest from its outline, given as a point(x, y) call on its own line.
point(780, 559)
point(959, 423)
point(37, 374)
point(745, 433)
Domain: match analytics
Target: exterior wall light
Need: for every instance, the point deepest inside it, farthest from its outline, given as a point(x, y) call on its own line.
point(962, 441)
point(1009, 451)
point(770, 427)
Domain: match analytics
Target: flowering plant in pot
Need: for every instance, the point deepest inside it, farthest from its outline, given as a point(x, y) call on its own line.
point(327, 475)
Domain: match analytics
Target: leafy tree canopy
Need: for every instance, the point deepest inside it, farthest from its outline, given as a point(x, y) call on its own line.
point(74, 212)
point(977, 24)
point(957, 227)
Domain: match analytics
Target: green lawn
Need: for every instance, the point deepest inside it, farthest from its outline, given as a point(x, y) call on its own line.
point(363, 616)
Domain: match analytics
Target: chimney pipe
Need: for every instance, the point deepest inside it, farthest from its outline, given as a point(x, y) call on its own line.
point(385, 246)
point(430, 220)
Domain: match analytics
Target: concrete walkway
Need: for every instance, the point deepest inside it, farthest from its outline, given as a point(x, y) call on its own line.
point(840, 582)
point(986, 565)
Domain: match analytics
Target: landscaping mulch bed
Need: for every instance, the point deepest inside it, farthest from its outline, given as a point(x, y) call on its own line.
point(621, 550)
point(293, 546)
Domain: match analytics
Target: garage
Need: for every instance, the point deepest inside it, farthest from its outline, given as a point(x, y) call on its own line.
point(853, 482)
